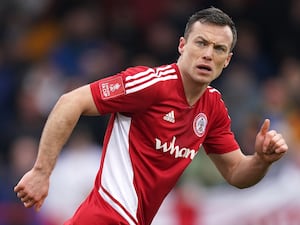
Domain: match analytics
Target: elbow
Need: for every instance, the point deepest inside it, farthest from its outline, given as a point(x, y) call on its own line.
point(79, 100)
point(68, 105)
point(242, 184)
point(64, 99)
point(69, 101)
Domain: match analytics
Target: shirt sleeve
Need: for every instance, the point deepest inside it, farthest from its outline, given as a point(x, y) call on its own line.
point(114, 94)
point(220, 139)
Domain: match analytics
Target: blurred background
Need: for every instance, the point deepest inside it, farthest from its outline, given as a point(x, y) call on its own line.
point(48, 47)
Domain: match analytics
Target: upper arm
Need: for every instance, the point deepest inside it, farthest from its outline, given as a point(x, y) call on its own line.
point(227, 162)
point(82, 99)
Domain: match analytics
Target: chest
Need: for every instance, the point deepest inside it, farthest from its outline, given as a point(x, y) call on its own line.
point(172, 125)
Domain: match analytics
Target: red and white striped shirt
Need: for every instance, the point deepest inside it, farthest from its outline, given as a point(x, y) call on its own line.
point(152, 136)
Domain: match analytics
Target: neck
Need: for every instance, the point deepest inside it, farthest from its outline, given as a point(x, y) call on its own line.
point(192, 90)
point(193, 96)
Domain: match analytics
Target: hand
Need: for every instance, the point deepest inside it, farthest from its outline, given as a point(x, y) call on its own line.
point(32, 189)
point(269, 145)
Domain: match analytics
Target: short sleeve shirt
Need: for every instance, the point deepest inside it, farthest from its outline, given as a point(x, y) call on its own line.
point(153, 135)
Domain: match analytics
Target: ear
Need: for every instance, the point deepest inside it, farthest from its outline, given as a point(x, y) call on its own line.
point(227, 61)
point(181, 45)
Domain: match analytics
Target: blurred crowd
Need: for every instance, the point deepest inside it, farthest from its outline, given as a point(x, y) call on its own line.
point(48, 47)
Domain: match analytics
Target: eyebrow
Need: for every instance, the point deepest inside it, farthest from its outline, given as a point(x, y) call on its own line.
point(211, 42)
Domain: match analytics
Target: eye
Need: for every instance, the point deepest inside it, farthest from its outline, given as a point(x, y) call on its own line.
point(220, 49)
point(202, 43)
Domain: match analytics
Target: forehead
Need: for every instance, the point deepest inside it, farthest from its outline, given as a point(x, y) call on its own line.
point(211, 32)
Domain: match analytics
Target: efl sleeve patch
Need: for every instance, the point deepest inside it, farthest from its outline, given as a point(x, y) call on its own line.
point(111, 87)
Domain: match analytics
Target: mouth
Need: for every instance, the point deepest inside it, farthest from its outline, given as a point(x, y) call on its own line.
point(204, 67)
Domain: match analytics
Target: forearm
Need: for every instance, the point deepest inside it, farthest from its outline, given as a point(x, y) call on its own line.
point(33, 187)
point(248, 172)
point(56, 132)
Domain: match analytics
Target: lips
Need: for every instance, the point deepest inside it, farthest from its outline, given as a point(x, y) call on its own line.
point(204, 67)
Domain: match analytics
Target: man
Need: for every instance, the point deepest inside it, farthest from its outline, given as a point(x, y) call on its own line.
point(160, 119)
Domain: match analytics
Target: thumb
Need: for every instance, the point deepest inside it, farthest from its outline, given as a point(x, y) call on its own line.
point(265, 127)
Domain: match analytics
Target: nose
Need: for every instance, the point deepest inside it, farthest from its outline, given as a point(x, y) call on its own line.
point(208, 52)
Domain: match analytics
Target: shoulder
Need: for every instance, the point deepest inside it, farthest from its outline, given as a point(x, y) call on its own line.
point(214, 102)
point(144, 71)
point(214, 95)
point(213, 91)
point(136, 69)
point(141, 77)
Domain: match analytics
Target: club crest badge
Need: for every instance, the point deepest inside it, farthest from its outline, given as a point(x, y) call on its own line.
point(199, 124)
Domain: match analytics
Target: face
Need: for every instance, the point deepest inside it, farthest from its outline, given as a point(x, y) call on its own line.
point(204, 53)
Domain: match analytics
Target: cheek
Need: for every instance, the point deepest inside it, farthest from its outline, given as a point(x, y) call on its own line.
point(219, 66)
point(191, 51)
point(221, 63)
point(188, 56)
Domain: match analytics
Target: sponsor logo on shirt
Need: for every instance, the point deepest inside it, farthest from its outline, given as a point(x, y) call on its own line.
point(111, 87)
point(199, 124)
point(175, 150)
point(170, 117)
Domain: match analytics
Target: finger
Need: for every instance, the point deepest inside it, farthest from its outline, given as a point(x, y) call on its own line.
point(29, 203)
point(21, 194)
point(265, 127)
point(277, 145)
point(270, 138)
point(282, 148)
point(276, 141)
point(18, 188)
point(26, 199)
point(268, 143)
